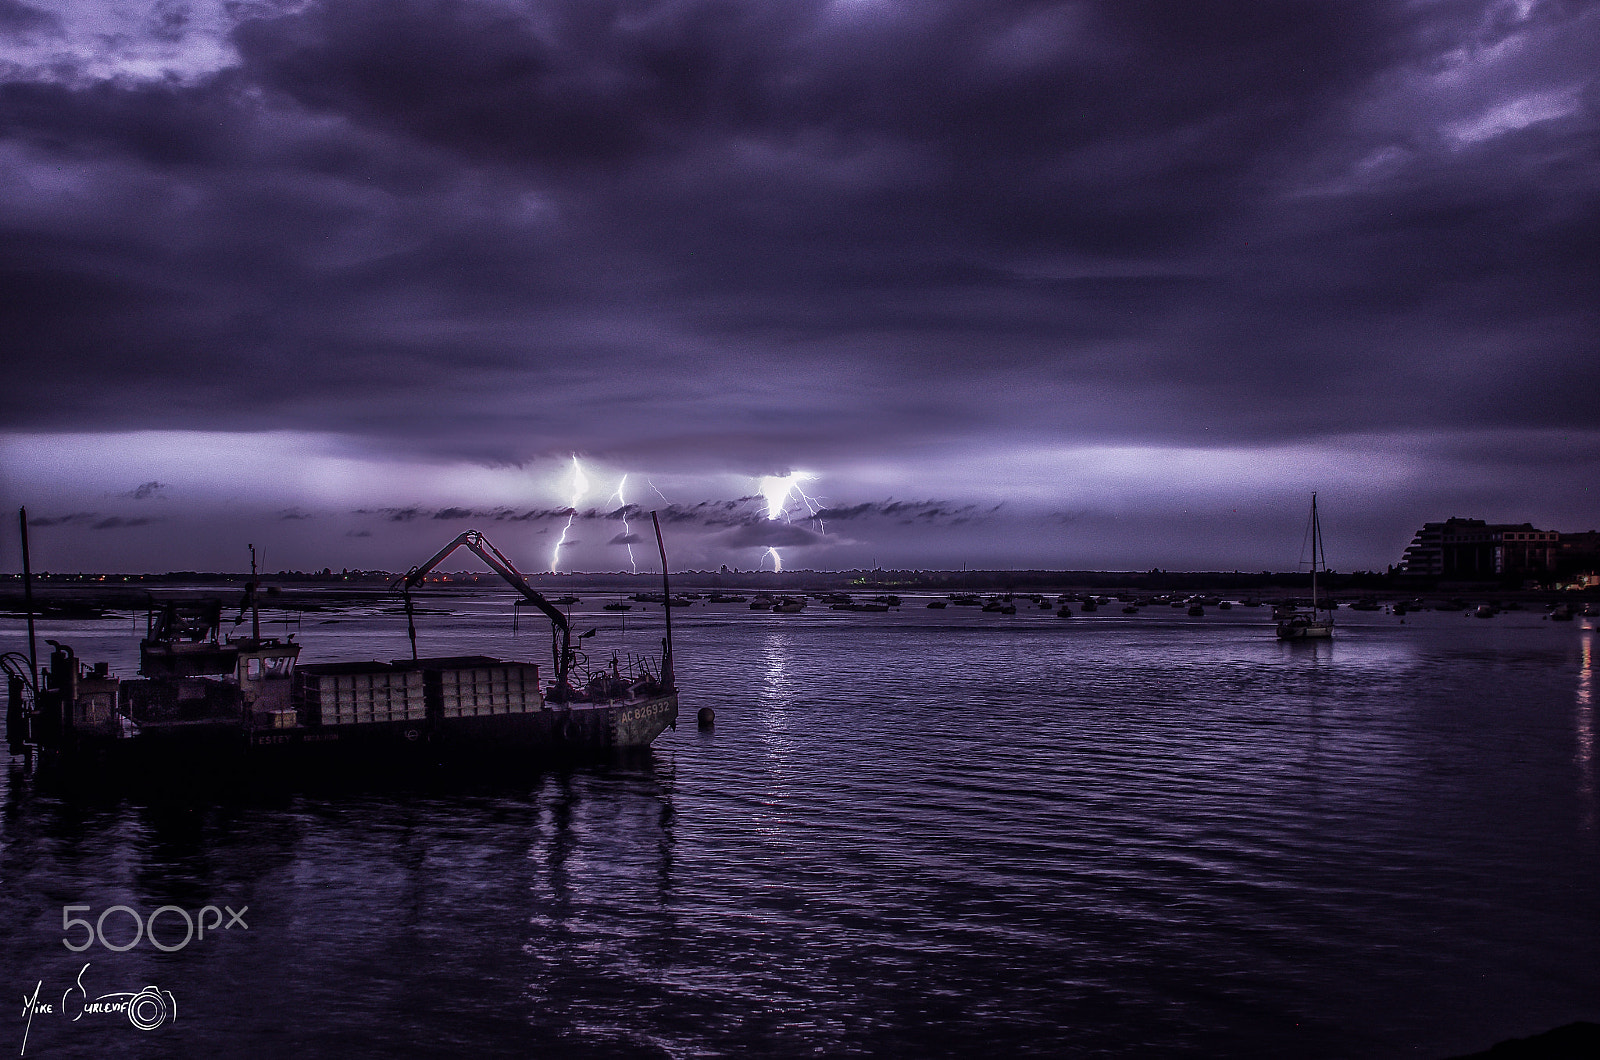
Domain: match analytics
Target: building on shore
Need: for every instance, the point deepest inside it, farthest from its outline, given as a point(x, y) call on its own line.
point(1578, 557)
point(1473, 550)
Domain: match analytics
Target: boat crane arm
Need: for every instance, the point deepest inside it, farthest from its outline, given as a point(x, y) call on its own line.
point(485, 550)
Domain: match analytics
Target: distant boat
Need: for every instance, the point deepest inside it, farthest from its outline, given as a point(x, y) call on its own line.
point(1310, 625)
point(789, 605)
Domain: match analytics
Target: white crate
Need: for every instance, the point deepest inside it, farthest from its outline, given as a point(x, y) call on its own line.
point(381, 693)
point(507, 688)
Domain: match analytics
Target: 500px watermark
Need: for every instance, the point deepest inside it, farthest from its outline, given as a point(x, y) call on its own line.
point(194, 926)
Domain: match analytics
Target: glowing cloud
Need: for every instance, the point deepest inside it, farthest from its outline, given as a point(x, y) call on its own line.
point(776, 490)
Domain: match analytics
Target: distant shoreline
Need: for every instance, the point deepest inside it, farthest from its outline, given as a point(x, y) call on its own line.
point(58, 595)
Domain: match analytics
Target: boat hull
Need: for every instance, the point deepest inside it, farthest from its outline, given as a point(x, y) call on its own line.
point(1305, 631)
point(559, 731)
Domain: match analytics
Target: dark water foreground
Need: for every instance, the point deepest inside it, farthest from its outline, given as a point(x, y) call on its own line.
point(914, 834)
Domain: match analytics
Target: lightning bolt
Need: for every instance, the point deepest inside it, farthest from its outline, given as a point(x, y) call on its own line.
point(623, 502)
point(580, 485)
point(776, 490)
point(813, 506)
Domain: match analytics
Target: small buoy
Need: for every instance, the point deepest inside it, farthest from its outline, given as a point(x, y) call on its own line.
point(707, 717)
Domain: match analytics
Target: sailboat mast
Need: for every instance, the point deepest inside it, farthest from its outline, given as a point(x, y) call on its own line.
point(1316, 548)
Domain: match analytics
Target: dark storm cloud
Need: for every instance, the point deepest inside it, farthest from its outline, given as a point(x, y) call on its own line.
point(70, 519)
point(169, 21)
point(117, 522)
point(146, 490)
point(770, 534)
point(92, 521)
point(740, 512)
point(904, 512)
point(397, 515)
point(625, 539)
point(766, 234)
point(17, 17)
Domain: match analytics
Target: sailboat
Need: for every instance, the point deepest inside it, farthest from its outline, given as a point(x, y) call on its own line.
point(1315, 624)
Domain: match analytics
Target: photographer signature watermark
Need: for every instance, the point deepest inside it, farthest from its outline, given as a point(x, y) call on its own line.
point(146, 1009)
point(145, 927)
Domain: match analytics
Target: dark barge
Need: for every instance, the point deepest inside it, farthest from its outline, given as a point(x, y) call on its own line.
point(207, 702)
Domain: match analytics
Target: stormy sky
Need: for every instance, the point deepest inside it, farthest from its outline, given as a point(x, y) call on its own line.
point(1008, 284)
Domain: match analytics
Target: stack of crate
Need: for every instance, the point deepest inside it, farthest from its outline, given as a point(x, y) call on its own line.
point(354, 693)
point(501, 688)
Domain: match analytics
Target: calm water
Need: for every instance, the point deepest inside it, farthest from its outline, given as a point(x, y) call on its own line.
point(921, 833)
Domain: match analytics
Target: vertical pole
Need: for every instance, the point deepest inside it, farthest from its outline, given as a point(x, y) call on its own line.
point(27, 601)
point(668, 678)
point(255, 603)
point(1316, 545)
point(411, 623)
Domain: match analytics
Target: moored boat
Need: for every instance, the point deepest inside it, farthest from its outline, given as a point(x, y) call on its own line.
point(1316, 624)
point(206, 702)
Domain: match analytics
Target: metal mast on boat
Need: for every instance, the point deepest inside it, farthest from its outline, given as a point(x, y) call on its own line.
point(1317, 559)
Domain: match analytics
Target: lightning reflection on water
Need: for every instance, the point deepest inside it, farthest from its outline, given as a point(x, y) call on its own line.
point(1585, 726)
